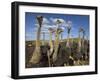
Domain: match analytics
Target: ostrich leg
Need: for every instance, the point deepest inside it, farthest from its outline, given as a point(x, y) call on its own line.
point(36, 56)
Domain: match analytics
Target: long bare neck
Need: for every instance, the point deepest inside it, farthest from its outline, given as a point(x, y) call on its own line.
point(38, 37)
point(51, 43)
point(56, 47)
point(57, 39)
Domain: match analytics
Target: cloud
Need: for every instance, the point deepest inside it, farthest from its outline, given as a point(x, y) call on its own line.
point(49, 26)
point(69, 23)
point(50, 23)
point(30, 35)
point(45, 27)
point(45, 21)
point(54, 20)
point(63, 28)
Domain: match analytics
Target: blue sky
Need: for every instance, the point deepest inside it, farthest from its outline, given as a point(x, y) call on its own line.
point(49, 20)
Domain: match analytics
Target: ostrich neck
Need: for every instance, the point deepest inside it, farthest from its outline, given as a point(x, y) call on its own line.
point(56, 47)
point(51, 44)
point(68, 35)
point(57, 39)
point(79, 48)
point(38, 37)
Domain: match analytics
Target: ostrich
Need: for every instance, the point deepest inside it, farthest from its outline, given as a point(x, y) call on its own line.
point(36, 56)
point(80, 30)
point(83, 45)
point(50, 52)
point(81, 39)
point(68, 25)
point(57, 33)
point(71, 59)
point(51, 30)
point(86, 49)
point(80, 45)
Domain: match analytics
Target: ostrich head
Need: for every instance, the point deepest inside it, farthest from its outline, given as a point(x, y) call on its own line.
point(69, 25)
point(51, 30)
point(81, 30)
point(40, 20)
point(59, 30)
point(58, 21)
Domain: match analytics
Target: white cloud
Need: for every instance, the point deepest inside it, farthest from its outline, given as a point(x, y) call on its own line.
point(46, 24)
point(49, 26)
point(36, 25)
point(45, 21)
point(69, 23)
point(54, 20)
point(44, 27)
point(63, 28)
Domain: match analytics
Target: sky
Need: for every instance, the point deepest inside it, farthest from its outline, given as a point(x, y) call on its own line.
point(49, 21)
